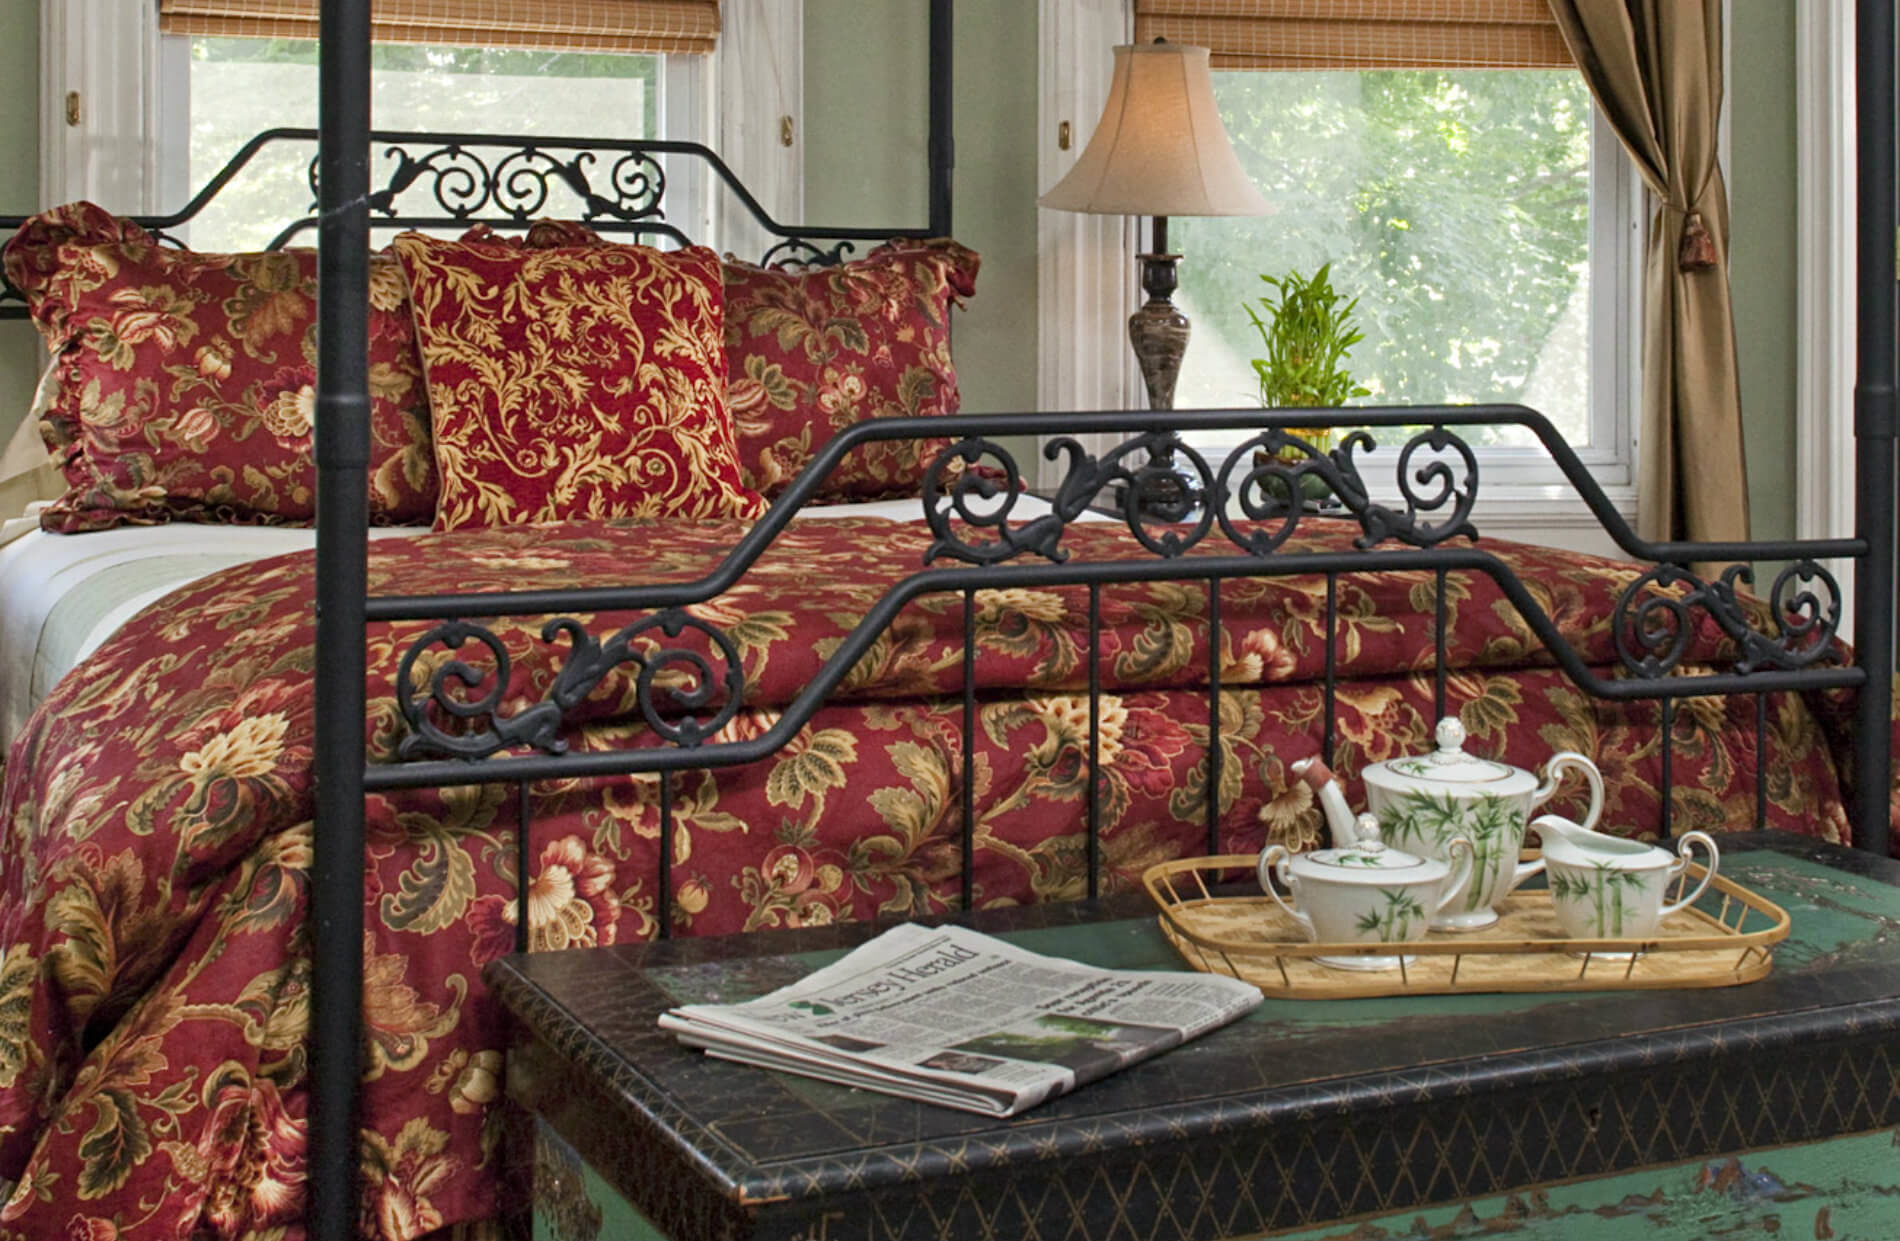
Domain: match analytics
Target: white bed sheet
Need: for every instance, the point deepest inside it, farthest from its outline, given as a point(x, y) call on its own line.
point(61, 596)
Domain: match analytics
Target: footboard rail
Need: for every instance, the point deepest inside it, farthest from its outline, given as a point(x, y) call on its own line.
point(1232, 522)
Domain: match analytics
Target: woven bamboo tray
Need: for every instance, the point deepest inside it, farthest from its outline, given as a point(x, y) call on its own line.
point(1250, 938)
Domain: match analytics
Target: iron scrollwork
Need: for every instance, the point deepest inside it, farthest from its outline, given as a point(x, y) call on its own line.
point(1276, 470)
point(1655, 617)
point(1151, 492)
point(1160, 490)
point(1171, 498)
point(587, 664)
point(465, 183)
point(802, 252)
point(975, 497)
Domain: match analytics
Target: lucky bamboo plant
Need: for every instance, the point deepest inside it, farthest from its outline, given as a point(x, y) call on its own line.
point(1308, 331)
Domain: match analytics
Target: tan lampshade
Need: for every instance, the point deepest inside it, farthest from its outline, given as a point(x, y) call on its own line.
point(1160, 148)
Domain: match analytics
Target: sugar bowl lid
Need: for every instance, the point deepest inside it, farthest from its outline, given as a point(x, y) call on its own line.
point(1449, 764)
point(1370, 857)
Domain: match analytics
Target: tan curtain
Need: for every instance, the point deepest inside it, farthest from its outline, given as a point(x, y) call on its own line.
point(1655, 67)
point(562, 25)
point(1360, 34)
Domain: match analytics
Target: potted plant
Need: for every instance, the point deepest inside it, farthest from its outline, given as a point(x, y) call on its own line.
point(1308, 331)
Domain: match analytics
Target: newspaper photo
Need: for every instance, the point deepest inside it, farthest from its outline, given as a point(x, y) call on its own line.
point(954, 1017)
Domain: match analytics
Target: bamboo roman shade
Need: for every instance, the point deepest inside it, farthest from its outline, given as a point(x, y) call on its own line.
point(1361, 34)
point(559, 25)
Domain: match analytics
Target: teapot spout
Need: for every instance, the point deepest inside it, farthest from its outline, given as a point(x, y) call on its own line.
point(1332, 799)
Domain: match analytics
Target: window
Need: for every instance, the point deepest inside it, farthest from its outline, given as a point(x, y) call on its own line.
point(1339, 151)
point(1483, 220)
point(217, 93)
point(135, 153)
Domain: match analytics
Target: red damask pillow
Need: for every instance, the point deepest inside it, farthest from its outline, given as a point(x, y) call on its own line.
point(188, 381)
point(575, 381)
point(809, 353)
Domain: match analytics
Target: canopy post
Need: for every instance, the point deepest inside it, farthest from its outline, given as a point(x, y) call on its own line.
point(1874, 424)
point(342, 443)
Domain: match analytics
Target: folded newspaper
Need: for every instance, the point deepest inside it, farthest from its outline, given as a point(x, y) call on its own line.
point(955, 1017)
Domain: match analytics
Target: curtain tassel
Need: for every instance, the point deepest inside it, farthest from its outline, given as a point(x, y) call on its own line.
point(1697, 251)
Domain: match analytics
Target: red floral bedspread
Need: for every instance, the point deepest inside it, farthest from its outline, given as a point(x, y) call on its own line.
point(154, 982)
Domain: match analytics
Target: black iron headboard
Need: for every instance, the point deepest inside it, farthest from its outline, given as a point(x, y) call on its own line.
point(618, 187)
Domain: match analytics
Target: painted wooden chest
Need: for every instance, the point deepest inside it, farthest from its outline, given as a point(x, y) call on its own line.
point(1765, 1110)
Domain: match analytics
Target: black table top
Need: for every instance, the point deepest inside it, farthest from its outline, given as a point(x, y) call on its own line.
point(755, 1137)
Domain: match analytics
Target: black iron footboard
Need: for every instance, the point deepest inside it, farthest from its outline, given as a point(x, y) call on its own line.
point(980, 545)
point(1436, 508)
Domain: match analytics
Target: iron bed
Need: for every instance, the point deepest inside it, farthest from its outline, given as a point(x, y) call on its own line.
point(977, 543)
point(1771, 662)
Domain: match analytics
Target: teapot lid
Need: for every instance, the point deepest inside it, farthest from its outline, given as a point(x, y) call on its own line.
point(1370, 855)
point(1449, 764)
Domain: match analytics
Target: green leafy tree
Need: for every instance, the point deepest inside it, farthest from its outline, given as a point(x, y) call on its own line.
point(1455, 205)
point(241, 86)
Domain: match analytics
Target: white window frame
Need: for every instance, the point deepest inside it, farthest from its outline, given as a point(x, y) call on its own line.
point(103, 55)
point(1827, 310)
point(1087, 290)
point(134, 92)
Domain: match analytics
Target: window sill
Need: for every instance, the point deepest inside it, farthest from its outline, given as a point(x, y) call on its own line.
point(1551, 516)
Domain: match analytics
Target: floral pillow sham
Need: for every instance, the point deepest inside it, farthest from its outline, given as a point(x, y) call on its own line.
point(809, 353)
point(187, 381)
point(574, 381)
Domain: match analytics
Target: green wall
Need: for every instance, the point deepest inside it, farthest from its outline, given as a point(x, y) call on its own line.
point(1761, 182)
point(20, 190)
point(866, 126)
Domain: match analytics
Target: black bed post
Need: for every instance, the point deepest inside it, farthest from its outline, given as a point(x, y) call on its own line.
point(336, 887)
point(943, 159)
point(1874, 422)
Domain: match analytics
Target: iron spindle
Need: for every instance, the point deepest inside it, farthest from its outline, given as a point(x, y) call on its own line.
point(523, 817)
point(1095, 739)
point(1213, 717)
point(1761, 761)
point(1332, 664)
point(1440, 645)
point(663, 903)
point(1668, 742)
point(969, 748)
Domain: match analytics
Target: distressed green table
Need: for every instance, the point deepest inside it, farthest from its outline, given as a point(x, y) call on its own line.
point(1765, 1110)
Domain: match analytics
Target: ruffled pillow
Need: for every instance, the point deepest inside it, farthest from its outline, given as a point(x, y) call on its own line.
point(809, 353)
point(188, 381)
point(574, 381)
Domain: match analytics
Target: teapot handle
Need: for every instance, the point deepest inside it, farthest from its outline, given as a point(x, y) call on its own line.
point(1456, 891)
point(1274, 860)
point(1682, 851)
point(1554, 774)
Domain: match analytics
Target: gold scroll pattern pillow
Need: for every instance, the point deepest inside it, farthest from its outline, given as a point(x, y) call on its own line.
point(574, 382)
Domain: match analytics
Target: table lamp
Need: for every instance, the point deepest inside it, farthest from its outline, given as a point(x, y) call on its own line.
point(1159, 150)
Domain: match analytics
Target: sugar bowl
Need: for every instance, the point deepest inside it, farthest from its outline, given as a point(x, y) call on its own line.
point(1365, 893)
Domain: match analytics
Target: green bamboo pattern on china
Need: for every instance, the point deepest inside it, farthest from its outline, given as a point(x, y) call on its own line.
point(1605, 888)
point(1394, 921)
point(1429, 822)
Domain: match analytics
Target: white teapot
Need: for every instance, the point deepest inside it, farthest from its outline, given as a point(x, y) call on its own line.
point(1364, 893)
point(1425, 802)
